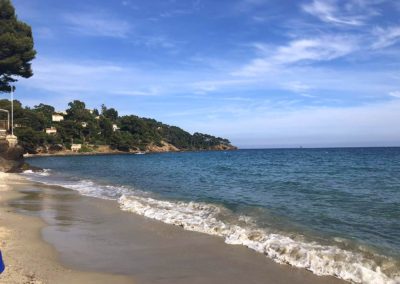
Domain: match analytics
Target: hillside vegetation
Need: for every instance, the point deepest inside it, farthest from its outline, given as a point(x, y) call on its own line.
point(94, 129)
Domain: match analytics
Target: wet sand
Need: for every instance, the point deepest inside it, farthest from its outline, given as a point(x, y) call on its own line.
point(27, 257)
point(90, 234)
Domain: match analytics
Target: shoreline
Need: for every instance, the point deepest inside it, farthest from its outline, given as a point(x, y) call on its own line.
point(148, 251)
point(70, 153)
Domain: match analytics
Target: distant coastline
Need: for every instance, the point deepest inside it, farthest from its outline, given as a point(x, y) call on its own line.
point(68, 153)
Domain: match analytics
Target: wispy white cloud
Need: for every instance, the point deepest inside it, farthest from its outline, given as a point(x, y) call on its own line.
point(385, 37)
point(151, 91)
point(395, 94)
point(324, 48)
point(88, 78)
point(298, 87)
point(69, 77)
point(315, 49)
point(97, 24)
point(102, 25)
point(330, 12)
point(204, 87)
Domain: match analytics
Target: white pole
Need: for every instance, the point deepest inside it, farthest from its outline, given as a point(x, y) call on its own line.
point(12, 110)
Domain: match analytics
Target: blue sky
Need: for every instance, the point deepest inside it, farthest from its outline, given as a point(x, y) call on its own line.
point(263, 73)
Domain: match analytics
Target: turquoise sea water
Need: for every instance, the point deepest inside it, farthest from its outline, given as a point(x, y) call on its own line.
point(332, 211)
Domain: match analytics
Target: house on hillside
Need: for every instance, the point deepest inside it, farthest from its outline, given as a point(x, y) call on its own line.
point(76, 147)
point(57, 117)
point(84, 124)
point(115, 127)
point(51, 130)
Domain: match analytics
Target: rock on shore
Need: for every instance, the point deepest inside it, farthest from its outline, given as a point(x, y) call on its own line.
point(11, 158)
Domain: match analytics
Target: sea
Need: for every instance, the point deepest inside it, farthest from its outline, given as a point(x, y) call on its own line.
point(331, 211)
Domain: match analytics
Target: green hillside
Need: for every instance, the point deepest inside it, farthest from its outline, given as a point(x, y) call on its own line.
point(95, 128)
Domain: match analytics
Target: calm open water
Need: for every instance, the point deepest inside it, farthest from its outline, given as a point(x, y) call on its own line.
point(332, 211)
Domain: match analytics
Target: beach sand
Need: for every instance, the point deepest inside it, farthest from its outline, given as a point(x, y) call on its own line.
point(27, 257)
point(54, 235)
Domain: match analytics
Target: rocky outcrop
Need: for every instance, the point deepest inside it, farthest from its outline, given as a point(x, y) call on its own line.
point(223, 147)
point(166, 147)
point(11, 158)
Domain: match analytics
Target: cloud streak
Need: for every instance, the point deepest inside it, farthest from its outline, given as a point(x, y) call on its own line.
point(329, 12)
point(97, 24)
point(385, 37)
point(395, 94)
point(310, 50)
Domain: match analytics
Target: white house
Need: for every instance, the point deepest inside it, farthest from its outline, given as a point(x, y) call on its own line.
point(57, 117)
point(51, 130)
point(115, 127)
point(84, 124)
point(76, 147)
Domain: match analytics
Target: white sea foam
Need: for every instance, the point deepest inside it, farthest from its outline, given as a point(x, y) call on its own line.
point(320, 259)
point(84, 187)
point(45, 172)
point(354, 266)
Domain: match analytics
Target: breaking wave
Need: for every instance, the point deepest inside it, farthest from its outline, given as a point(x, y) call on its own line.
point(359, 266)
point(44, 172)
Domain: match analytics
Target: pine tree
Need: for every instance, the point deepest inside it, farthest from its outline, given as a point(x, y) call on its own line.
point(16, 47)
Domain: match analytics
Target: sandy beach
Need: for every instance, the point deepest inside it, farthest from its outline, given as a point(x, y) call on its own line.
point(54, 235)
